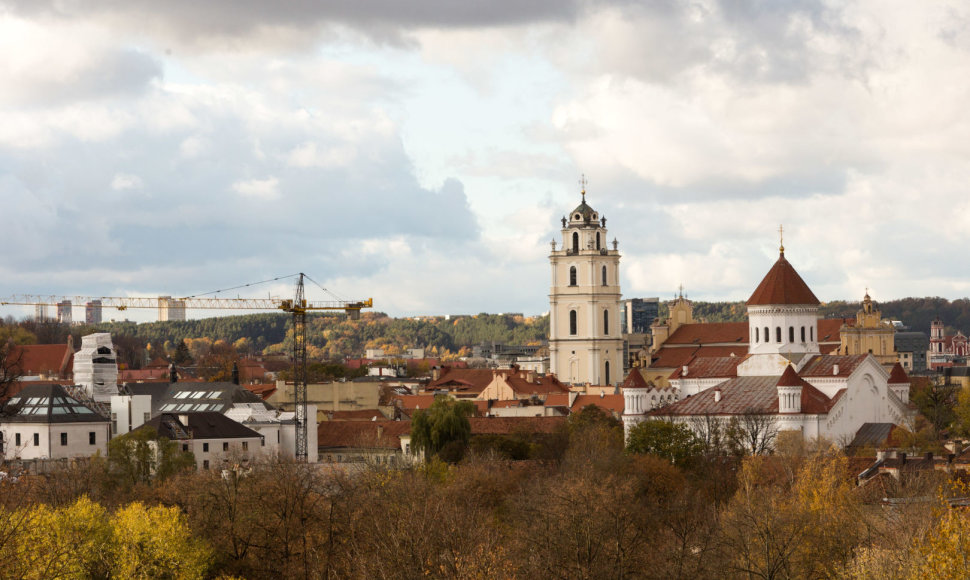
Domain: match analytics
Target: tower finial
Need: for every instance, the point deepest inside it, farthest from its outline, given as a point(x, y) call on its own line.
point(781, 239)
point(582, 185)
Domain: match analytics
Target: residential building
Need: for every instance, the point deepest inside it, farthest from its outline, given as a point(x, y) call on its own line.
point(65, 312)
point(45, 361)
point(216, 441)
point(638, 314)
point(44, 422)
point(912, 348)
point(92, 312)
point(170, 309)
point(585, 339)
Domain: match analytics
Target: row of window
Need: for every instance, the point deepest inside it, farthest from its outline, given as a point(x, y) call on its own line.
point(791, 334)
point(225, 446)
point(573, 277)
point(573, 322)
point(92, 439)
point(576, 241)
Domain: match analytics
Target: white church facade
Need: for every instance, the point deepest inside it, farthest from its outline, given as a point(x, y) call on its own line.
point(585, 340)
point(783, 380)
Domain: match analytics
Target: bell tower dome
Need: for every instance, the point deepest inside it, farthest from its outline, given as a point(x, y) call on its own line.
point(585, 341)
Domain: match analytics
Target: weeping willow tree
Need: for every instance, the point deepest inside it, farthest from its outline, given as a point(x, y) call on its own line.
point(443, 430)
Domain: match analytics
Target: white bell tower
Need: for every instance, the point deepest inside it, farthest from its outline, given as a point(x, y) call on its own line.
point(585, 340)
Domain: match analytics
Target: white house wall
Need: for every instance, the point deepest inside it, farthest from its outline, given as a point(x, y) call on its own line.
point(49, 440)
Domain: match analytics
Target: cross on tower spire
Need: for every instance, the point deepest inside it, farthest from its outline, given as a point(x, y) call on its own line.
point(781, 239)
point(582, 185)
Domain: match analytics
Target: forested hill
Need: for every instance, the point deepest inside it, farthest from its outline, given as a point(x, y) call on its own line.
point(916, 313)
point(333, 336)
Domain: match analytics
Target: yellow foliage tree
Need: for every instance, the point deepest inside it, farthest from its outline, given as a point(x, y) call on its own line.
point(155, 543)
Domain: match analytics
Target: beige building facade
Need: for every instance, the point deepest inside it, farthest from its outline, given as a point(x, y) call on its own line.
point(870, 335)
point(585, 338)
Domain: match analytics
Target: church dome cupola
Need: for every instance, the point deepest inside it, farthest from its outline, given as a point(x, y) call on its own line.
point(584, 215)
point(783, 313)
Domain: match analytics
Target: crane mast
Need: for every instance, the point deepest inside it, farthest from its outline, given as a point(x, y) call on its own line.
point(298, 307)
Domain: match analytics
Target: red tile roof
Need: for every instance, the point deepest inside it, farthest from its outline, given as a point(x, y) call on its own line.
point(711, 367)
point(362, 434)
point(608, 403)
point(782, 285)
point(789, 378)
point(676, 357)
point(898, 375)
point(829, 330)
point(36, 359)
point(357, 415)
point(474, 380)
point(156, 375)
point(710, 332)
point(539, 386)
point(507, 425)
point(635, 380)
point(264, 391)
point(824, 365)
point(744, 395)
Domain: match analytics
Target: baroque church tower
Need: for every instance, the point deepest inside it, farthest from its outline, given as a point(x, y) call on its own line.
point(585, 341)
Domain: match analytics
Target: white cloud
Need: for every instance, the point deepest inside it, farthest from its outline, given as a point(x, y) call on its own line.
point(268, 188)
point(123, 181)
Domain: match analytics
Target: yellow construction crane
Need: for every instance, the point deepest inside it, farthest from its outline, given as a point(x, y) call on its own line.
point(298, 306)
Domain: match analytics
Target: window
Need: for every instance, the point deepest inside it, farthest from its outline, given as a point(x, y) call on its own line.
point(36, 439)
point(767, 335)
point(572, 322)
point(791, 334)
point(597, 240)
point(811, 333)
point(606, 323)
point(185, 447)
point(778, 334)
point(245, 445)
point(756, 334)
point(572, 275)
point(803, 334)
point(63, 438)
point(205, 449)
point(575, 241)
point(92, 438)
point(205, 464)
point(17, 439)
point(225, 446)
point(604, 275)
point(607, 372)
point(147, 418)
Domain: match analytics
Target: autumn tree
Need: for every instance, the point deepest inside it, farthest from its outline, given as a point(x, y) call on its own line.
point(675, 442)
point(442, 430)
point(141, 455)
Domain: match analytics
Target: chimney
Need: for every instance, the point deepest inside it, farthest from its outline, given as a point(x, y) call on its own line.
point(683, 371)
point(881, 455)
point(380, 431)
point(902, 458)
point(717, 395)
point(435, 373)
point(835, 369)
point(235, 373)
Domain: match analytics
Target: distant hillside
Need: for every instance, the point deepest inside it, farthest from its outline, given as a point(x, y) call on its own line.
point(916, 313)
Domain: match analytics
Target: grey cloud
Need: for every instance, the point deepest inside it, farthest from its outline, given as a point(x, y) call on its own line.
point(382, 19)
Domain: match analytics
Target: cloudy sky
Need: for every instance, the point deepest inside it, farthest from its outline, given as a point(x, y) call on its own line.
point(422, 152)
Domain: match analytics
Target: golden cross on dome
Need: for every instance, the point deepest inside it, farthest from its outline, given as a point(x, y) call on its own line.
point(781, 238)
point(582, 185)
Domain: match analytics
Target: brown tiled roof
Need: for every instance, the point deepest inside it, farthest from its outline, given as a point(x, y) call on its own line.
point(711, 367)
point(265, 391)
point(606, 402)
point(789, 378)
point(898, 375)
point(38, 359)
point(143, 375)
point(824, 365)
point(414, 401)
point(634, 380)
point(829, 330)
point(782, 285)
point(362, 434)
point(540, 386)
point(743, 395)
point(675, 357)
point(710, 332)
point(506, 425)
point(454, 378)
point(357, 415)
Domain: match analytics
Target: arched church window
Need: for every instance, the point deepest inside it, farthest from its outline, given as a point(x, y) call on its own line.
point(811, 333)
point(778, 334)
point(576, 241)
point(756, 334)
point(597, 240)
point(791, 334)
point(606, 322)
point(607, 372)
point(803, 334)
point(767, 335)
point(572, 322)
point(604, 275)
point(572, 275)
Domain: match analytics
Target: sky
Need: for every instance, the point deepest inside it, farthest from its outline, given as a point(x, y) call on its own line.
point(422, 153)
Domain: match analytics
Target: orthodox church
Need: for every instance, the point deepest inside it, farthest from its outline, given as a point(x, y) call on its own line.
point(784, 380)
